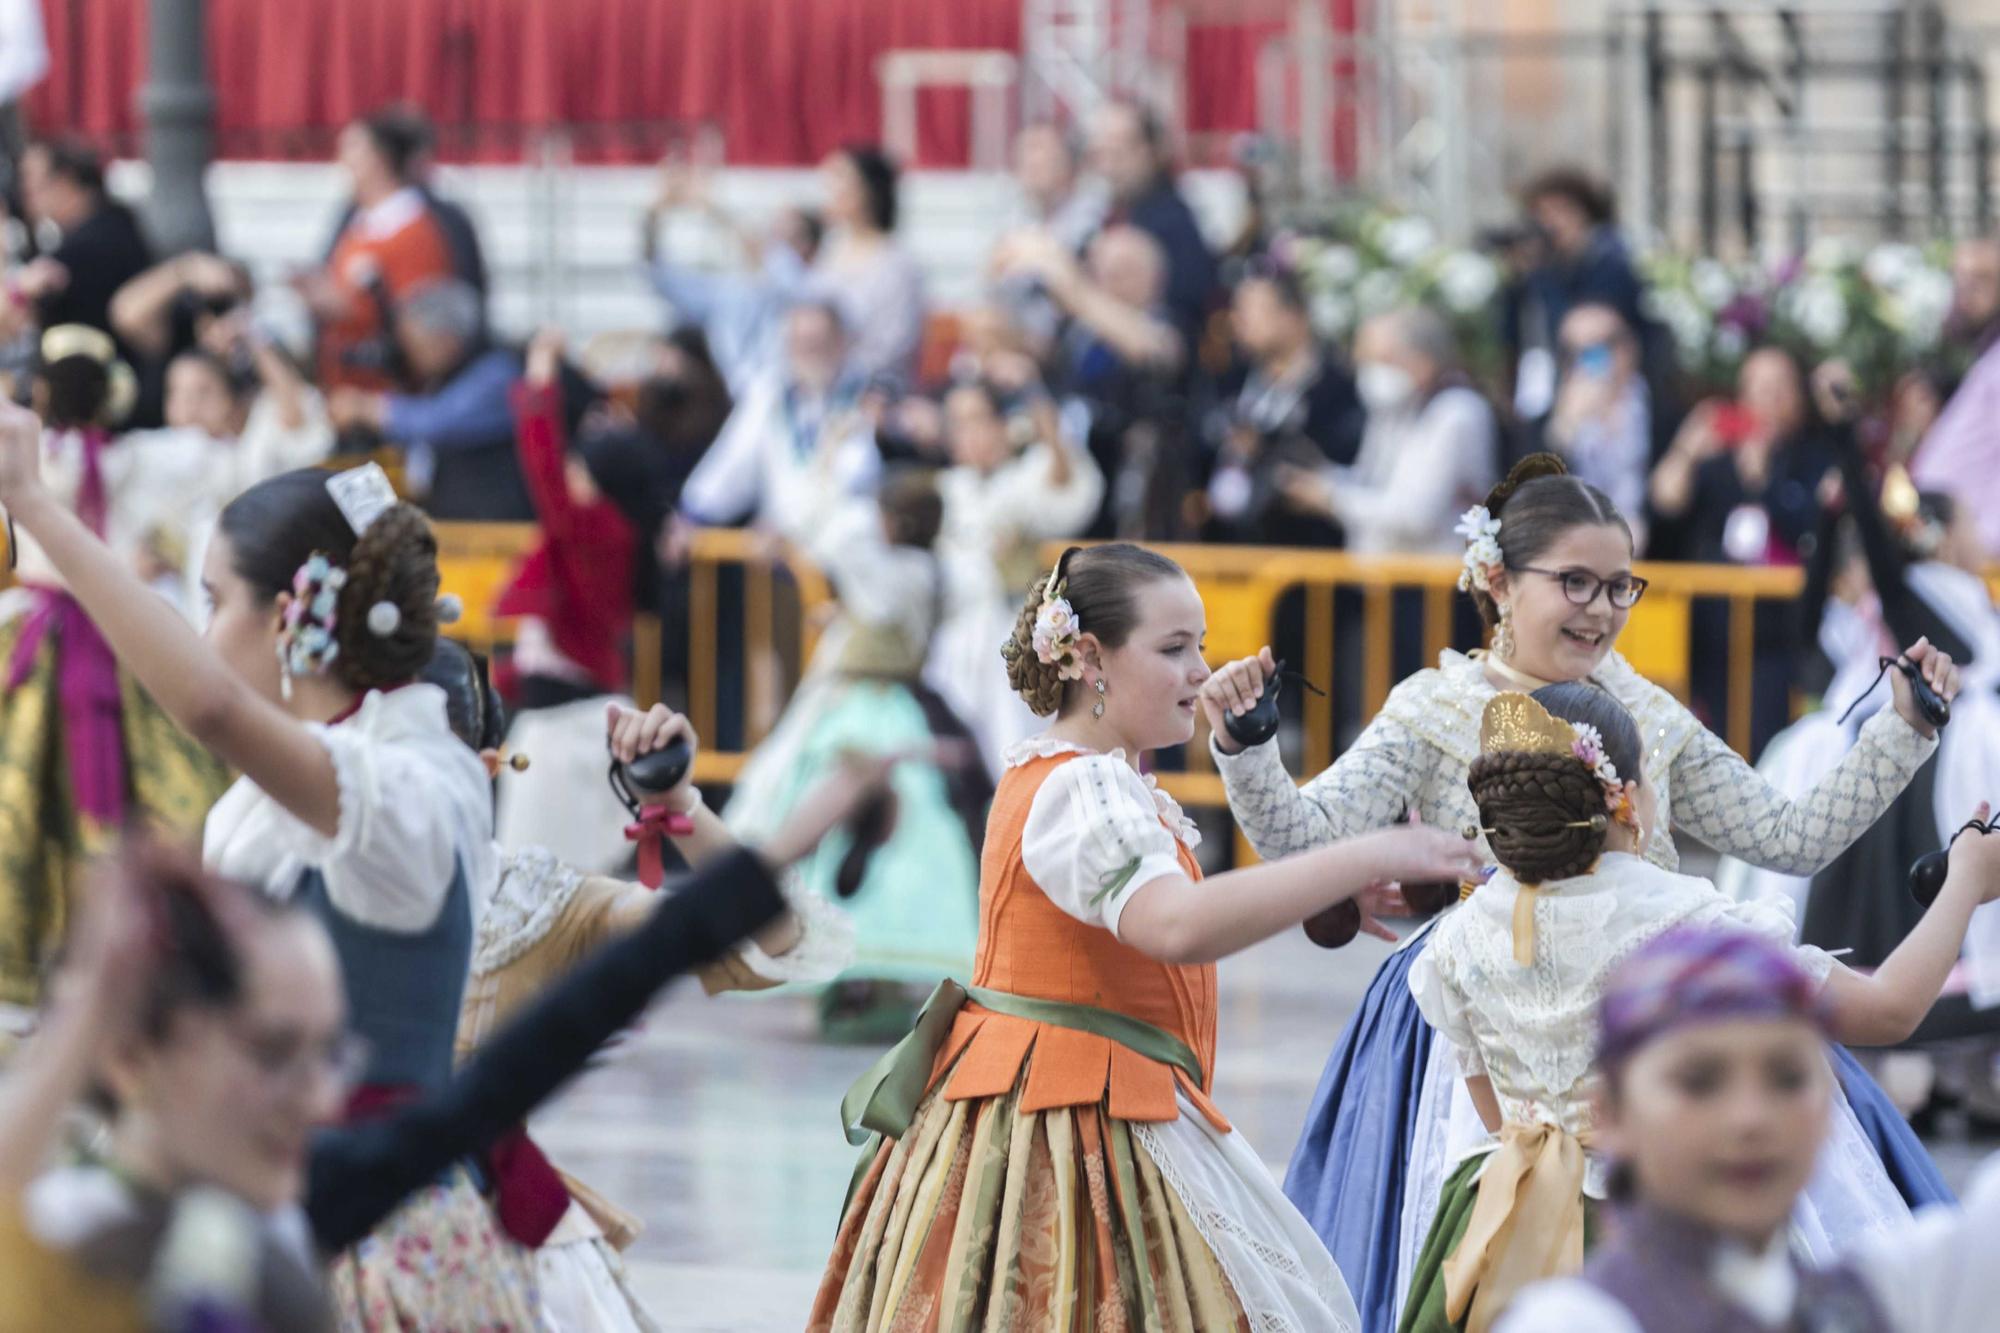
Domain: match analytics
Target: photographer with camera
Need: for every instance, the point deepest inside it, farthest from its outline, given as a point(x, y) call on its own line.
point(393, 242)
point(1291, 403)
point(456, 425)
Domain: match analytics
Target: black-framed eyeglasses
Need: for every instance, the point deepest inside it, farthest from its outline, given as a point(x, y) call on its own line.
point(1581, 586)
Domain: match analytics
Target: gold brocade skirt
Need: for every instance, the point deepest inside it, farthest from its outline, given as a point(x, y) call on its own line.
point(44, 840)
point(986, 1217)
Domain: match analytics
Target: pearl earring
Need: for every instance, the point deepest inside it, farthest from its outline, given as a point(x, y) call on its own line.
point(1097, 709)
point(1503, 635)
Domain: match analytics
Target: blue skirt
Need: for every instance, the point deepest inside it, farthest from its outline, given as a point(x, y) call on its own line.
point(1348, 1172)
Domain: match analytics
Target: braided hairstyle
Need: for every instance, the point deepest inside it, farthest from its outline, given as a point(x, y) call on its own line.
point(1537, 504)
point(277, 525)
point(1102, 586)
point(1547, 814)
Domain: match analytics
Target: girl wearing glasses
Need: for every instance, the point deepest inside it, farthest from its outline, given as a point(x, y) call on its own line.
point(1549, 564)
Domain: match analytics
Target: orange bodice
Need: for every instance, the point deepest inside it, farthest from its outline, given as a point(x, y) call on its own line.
point(1029, 946)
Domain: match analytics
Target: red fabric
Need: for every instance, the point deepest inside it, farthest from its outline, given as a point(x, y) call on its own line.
point(785, 81)
point(655, 824)
point(579, 580)
point(529, 1196)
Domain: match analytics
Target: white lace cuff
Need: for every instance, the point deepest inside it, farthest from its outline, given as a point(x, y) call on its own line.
point(825, 946)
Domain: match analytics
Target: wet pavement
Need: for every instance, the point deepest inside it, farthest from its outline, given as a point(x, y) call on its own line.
point(718, 1124)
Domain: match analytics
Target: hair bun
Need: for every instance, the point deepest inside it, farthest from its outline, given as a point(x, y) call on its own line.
point(1523, 472)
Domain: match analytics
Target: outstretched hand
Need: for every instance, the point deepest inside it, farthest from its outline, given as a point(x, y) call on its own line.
point(1939, 672)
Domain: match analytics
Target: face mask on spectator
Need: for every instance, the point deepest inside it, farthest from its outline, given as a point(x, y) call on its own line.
point(1383, 387)
point(1595, 361)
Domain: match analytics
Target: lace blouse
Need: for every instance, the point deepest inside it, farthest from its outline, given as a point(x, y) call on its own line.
point(1417, 751)
point(1533, 1030)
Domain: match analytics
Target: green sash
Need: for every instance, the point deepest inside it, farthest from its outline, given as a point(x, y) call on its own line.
point(882, 1102)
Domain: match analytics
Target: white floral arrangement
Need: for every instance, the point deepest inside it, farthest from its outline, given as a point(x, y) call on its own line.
point(1876, 309)
point(1481, 531)
point(1055, 637)
point(1362, 262)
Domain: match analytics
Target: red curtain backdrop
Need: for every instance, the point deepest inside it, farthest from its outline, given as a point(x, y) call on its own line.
point(784, 81)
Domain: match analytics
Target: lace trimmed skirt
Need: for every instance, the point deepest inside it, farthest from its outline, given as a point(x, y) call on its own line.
point(987, 1217)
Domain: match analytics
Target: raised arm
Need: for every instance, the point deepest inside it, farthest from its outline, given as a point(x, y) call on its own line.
point(152, 640)
point(358, 1174)
point(1375, 784)
point(1722, 800)
point(1095, 843)
point(1885, 1007)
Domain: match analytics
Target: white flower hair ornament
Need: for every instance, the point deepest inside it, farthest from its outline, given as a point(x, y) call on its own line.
point(1055, 636)
point(1481, 531)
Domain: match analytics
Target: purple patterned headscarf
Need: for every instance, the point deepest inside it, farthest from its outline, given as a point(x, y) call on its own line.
point(1699, 975)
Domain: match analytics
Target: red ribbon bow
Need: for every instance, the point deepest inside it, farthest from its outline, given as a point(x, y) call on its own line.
point(655, 825)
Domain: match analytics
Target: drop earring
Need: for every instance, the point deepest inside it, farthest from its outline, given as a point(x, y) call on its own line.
point(1503, 635)
point(1097, 709)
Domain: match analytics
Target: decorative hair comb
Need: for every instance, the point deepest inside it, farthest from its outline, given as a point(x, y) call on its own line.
point(363, 495)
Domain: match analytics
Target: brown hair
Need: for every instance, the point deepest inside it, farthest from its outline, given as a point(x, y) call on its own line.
point(279, 524)
point(1591, 196)
point(912, 509)
point(1101, 584)
point(1537, 504)
point(1546, 814)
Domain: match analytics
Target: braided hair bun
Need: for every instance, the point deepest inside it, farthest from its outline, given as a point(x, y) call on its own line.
point(394, 562)
point(386, 618)
point(1101, 584)
point(1547, 815)
point(1034, 680)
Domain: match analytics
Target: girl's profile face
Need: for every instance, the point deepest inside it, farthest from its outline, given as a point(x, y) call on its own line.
point(1153, 679)
point(242, 623)
point(1722, 1123)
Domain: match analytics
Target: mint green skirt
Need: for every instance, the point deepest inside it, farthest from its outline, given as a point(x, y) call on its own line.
point(916, 914)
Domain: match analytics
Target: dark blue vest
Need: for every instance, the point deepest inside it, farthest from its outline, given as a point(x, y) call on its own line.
point(404, 991)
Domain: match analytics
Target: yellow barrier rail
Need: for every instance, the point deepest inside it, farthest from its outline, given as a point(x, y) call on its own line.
point(784, 602)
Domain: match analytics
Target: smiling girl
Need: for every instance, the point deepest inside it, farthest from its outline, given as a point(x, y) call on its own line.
point(1550, 566)
point(1054, 1155)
